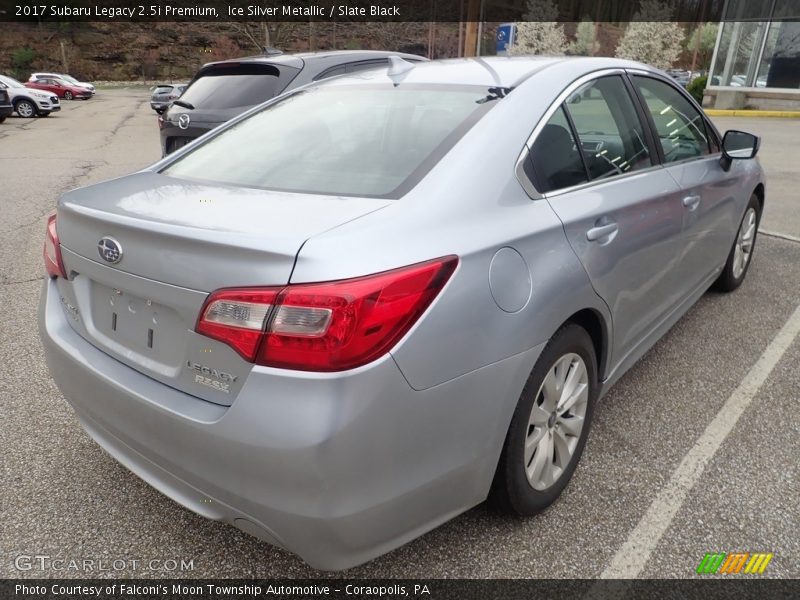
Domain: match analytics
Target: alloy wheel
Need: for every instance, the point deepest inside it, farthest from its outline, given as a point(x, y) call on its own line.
point(25, 109)
point(743, 249)
point(556, 421)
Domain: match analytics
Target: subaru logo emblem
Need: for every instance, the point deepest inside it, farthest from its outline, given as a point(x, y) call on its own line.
point(183, 121)
point(110, 250)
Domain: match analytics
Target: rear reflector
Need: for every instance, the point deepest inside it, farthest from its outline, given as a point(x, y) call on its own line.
point(53, 263)
point(324, 326)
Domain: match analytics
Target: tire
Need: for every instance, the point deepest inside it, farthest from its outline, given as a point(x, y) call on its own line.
point(67, 95)
point(2, 119)
point(517, 488)
point(25, 109)
point(741, 254)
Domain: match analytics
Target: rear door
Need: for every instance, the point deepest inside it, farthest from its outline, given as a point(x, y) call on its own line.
point(691, 155)
point(621, 212)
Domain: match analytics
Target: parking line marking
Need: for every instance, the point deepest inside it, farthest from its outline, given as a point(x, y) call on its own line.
point(630, 559)
point(783, 236)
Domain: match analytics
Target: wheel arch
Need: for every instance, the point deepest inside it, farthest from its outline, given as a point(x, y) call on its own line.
point(760, 193)
point(597, 328)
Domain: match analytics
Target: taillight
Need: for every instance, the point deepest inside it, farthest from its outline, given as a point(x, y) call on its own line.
point(53, 263)
point(330, 326)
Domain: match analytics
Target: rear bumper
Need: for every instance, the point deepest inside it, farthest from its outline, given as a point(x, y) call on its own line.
point(337, 468)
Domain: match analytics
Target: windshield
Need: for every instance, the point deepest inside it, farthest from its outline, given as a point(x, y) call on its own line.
point(361, 140)
point(233, 87)
point(69, 79)
point(10, 82)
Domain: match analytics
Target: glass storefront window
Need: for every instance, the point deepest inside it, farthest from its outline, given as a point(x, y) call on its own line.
point(737, 55)
point(758, 54)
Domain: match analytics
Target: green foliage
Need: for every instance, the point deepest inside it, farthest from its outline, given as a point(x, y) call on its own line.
point(22, 58)
point(697, 87)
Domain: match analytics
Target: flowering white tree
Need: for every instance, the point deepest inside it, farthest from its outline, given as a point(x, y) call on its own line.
point(651, 38)
point(540, 34)
point(585, 43)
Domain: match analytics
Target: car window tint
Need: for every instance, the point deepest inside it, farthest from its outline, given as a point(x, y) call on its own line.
point(366, 65)
point(332, 72)
point(233, 87)
point(609, 130)
point(361, 139)
point(554, 156)
point(679, 125)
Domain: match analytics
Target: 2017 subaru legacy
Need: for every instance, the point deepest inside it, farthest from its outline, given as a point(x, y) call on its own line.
point(357, 311)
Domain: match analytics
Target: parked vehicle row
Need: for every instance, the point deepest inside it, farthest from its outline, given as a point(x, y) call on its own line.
point(68, 79)
point(40, 95)
point(58, 85)
point(29, 102)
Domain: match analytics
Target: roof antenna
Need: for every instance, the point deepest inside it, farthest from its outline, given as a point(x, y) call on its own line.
point(398, 68)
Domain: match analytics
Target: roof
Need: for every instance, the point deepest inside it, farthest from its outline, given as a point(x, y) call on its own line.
point(502, 71)
point(297, 60)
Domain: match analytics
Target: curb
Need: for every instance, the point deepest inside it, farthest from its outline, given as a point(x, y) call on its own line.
point(781, 114)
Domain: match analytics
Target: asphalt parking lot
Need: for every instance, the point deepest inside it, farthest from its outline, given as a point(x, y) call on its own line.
point(695, 450)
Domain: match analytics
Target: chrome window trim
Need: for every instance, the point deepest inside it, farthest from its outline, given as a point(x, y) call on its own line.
point(523, 179)
point(598, 182)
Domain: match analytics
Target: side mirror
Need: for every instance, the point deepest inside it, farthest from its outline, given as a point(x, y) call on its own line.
point(738, 145)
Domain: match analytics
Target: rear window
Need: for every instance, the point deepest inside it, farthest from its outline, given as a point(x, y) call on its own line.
point(354, 140)
point(162, 89)
point(233, 87)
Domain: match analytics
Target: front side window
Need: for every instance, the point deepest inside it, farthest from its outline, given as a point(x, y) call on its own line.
point(680, 127)
point(370, 140)
point(610, 133)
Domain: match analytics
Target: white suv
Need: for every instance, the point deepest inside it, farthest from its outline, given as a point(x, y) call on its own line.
point(28, 102)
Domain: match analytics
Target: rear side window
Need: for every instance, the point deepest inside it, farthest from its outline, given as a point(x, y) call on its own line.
point(233, 87)
point(371, 140)
point(610, 133)
point(554, 156)
point(680, 127)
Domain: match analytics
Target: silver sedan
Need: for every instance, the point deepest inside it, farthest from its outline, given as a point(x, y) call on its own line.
point(367, 305)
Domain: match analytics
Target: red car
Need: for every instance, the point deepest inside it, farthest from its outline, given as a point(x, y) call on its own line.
point(60, 87)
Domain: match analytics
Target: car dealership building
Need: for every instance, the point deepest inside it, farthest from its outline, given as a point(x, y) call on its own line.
point(756, 62)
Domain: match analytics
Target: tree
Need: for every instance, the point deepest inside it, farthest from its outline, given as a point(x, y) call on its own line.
point(21, 60)
point(651, 38)
point(702, 41)
point(540, 34)
point(585, 43)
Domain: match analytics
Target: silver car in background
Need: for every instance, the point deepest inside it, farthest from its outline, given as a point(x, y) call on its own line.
point(364, 307)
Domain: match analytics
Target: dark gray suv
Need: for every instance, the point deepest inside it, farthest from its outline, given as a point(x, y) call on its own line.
point(221, 90)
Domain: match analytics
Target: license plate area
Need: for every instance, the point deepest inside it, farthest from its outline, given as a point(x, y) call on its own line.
point(134, 325)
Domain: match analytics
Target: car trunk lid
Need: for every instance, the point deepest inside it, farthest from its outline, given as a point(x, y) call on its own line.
point(178, 241)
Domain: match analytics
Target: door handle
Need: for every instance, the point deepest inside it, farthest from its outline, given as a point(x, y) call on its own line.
point(691, 202)
point(603, 231)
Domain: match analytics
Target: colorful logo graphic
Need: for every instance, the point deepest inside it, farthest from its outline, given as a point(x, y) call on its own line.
point(723, 563)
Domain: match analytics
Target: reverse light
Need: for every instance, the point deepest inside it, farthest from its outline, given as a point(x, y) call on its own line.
point(330, 326)
point(53, 263)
